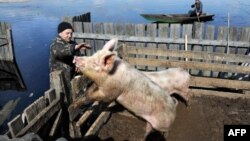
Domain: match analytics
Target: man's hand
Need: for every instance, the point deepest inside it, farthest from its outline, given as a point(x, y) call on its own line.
point(82, 46)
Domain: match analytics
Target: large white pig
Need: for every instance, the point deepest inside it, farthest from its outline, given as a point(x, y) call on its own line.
point(117, 80)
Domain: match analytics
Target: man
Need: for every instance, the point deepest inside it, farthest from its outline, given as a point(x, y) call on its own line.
point(197, 11)
point(62, 52)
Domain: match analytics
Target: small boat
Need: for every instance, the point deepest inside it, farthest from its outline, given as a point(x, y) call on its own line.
point(177, 18)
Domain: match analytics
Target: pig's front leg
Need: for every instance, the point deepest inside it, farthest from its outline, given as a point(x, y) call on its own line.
point(84, 100)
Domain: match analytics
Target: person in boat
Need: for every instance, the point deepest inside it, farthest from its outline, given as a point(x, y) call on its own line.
point(197, 8)
point(62, 52)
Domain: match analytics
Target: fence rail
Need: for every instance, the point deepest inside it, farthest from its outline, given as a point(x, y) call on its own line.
point(200, 37)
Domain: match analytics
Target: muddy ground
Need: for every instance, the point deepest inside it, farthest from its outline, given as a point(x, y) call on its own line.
point(202, 120)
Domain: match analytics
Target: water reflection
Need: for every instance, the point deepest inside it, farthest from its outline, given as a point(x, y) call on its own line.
point(34, 25)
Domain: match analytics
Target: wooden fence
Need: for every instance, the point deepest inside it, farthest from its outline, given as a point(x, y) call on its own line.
point(37, 114)
point(199, 37)
point(10, 76)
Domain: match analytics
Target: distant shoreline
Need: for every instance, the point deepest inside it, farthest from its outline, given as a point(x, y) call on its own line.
point(11, 1)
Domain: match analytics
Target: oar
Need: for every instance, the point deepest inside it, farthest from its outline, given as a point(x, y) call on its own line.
point(197, 14)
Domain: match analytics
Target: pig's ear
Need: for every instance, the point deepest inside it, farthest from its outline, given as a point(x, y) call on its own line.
point(108, 62)
point(110, 45)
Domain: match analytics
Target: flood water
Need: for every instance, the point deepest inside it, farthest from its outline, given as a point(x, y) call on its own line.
point(34, 24)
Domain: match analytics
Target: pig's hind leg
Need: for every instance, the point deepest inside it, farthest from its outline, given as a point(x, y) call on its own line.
point(148, 130)
point(151, 134)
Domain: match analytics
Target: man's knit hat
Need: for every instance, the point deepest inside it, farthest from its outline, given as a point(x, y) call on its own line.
point(63, 26)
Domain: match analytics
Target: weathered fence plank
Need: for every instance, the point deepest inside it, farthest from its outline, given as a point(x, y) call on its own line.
point(175, 33)
point(88, 28)
point(139, 32)
point(108, 29)
point(78, 26)
point(209, 35)
point(34, 109)
point(98, 29)
point(197, 34)
point(189, 54)
point(244, 35)
point(188, 65)
point(219, 83)
point(130, 31)
point(40, 119)
point(50, 95)
point(86, 17)
point(151, 33)
point(16, 125)
point(163, 33)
